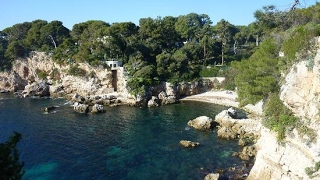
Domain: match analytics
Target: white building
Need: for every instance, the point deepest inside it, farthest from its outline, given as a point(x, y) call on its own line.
point(114, 65)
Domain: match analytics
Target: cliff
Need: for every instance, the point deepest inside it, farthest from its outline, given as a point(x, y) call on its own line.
point(298, 156)
point(39, 75)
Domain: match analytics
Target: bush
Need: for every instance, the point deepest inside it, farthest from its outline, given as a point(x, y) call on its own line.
point(311, 170)
point(42, 74)
point(298, 44)
point(278, 117)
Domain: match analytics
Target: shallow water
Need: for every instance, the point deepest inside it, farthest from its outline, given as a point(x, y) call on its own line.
point(123, 143)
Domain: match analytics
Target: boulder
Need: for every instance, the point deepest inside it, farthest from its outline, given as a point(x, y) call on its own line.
point(232, 113)
point(40, 89)
point(81, 108)
point(153, 102)
point(57, 91)
point(187, 144)
point(201, 123)
point(212, 176)
point(162, 95)
point(97, 108)
point(247, 152)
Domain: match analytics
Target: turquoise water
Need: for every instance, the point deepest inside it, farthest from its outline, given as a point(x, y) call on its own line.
point(123, 143)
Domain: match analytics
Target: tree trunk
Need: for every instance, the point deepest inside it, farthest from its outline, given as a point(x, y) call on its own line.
point(54, 43)
point(222, 55)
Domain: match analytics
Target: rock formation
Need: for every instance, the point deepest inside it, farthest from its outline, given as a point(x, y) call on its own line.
point(212, 176)
point(298, 155)
point(81, 108)
point(201, 123)
point(32, 73)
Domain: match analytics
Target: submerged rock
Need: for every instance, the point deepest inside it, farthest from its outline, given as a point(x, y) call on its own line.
point(201, 123)
point(48, 109)
point(187, 144)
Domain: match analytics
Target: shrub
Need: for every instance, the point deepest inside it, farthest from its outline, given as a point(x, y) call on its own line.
point(298, 43)
point(42, 74)
point(311, 170)
point(278, 117)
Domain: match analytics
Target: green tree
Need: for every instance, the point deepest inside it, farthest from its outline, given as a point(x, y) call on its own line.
point(10, 167)
point(190, 26)
point(17, 32)
point(53, 34)
point(257, 76)
point(15, 50)
point(4, 62)
point(224, 35)
point(33, 38)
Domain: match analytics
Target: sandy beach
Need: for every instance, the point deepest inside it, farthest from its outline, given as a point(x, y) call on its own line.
point(225, 98)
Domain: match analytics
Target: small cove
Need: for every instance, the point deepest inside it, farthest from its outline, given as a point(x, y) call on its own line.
point(123, 143)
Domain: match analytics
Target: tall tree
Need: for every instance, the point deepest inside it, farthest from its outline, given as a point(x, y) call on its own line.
point(190, 26)
point(17, 32)
point(224, 35)
point(53, 34)
point(33, 38)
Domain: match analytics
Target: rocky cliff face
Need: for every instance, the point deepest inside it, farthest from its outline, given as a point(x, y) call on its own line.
point(39, 67)
point(296, 158)
point(38, 75)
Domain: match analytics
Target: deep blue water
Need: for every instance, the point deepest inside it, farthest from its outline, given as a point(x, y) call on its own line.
point(123, 143)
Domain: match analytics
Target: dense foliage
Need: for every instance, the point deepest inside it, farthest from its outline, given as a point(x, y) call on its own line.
point(10, 167)
point(162, 49)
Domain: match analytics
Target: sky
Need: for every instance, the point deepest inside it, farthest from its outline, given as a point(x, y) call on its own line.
point(70, 12)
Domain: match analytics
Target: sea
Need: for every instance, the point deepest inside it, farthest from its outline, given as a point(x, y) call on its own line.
point(123, 143)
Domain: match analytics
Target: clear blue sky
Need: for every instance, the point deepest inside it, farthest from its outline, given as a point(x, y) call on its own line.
point(70, 12)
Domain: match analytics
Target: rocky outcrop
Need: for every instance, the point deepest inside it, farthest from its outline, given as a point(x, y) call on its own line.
point(81, 108)
point(201, 123)
point(231, 126)
point(212, 176)
point(300, 150)
point(40, 89)
point(188, 144)
point(153, 102)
